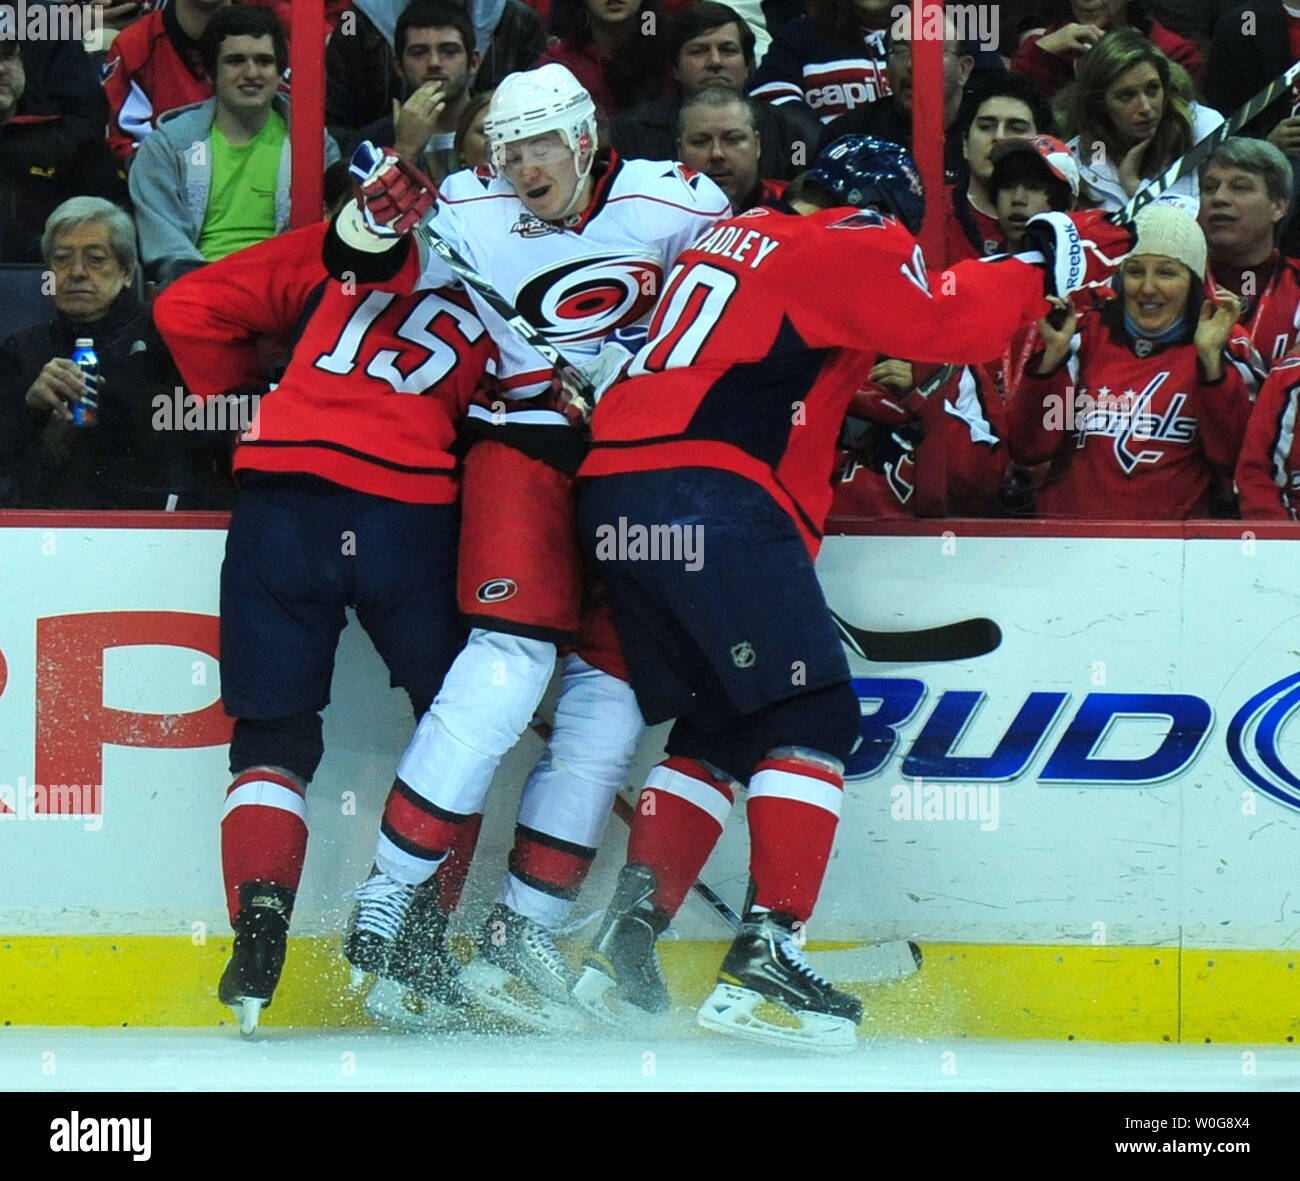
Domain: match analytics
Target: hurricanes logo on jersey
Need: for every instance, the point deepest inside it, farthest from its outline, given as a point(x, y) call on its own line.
point(497, 589)
point(587, 298)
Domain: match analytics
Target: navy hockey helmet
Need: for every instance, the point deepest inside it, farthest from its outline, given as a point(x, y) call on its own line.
point(859, 170)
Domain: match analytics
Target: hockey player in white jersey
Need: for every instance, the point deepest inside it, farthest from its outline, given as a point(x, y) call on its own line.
point(580, 243)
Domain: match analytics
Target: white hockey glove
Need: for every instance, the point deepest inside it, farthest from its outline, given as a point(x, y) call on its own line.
point(601, 372)
point(1056, 238)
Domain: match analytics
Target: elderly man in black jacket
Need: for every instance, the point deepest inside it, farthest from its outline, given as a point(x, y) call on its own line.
point(710, 45)
point(120, 461)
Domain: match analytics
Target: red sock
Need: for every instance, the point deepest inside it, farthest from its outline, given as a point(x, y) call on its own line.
point(794, 807)
point(263, 832)
point(549, 864)
point(452, 873)
point(679, 818)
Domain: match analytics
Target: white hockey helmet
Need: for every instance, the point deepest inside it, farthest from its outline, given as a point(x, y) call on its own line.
point(533, 102)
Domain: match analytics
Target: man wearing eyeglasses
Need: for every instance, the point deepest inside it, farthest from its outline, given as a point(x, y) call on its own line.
point(44, 160)
point(890, 118)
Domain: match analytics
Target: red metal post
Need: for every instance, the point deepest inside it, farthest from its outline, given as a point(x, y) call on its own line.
point(927, 121)
point(307, 135)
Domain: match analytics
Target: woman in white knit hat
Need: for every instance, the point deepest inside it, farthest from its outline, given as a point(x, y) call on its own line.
point(1138, 402)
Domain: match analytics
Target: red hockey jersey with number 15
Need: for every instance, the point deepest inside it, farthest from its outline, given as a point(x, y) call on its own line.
point(377, 382)
point(768, 324)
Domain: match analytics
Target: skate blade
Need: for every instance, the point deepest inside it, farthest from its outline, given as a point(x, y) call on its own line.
point(595, 993)
point(498, 991)
point(395, 1006)
point(734, 1011)
point(248, 1011)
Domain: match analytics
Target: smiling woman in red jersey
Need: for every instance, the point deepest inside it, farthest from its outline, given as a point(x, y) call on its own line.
point(1140, 401)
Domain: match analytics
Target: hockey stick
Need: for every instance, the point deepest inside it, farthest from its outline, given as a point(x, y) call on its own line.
point(872, 963)
point(364, 159)
point(963, 640)
point(1191, 160)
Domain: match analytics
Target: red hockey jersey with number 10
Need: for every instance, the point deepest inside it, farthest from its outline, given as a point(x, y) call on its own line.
point(768, 324)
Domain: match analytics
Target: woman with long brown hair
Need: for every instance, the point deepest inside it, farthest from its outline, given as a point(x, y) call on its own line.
point(617, 49)
point(1131, 113)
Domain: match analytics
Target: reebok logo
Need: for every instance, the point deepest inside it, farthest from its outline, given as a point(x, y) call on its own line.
point(90, 1133)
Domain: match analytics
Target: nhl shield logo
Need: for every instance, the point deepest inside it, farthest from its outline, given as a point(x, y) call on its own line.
point(743, 655)
point(1142, 347)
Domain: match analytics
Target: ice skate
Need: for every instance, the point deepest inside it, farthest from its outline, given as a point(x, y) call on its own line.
point(257, 957)
point(767, 992)
point(621, 964)
point(382, 903)
point(419, 988)
point(519, 973)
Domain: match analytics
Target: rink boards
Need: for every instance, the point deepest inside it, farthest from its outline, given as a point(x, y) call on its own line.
point(1092, 829)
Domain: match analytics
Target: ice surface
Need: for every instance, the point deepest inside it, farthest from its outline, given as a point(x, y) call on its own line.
point(672, 1059)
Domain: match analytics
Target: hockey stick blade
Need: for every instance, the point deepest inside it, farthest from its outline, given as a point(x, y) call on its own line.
point(950, 641)
point(1191, 160)
point(871, 963)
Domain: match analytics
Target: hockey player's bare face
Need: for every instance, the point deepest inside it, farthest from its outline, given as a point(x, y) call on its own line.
point(1135, 103)
point(996, 119)
point(543, 174)
point(1155, 291)
point(1238, 216)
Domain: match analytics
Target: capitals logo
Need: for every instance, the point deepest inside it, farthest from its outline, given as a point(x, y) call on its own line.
point(588, 298)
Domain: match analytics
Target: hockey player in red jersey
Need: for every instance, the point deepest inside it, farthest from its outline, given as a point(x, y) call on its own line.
point(347, 498)
point(1139, 401)
point(720, 446)
point(579, 244)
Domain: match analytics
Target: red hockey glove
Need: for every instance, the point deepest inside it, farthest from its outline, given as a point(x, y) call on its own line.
point(1104, 242)
point(393, 194)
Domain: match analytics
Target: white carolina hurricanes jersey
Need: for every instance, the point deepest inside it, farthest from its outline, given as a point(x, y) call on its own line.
point(580, 283)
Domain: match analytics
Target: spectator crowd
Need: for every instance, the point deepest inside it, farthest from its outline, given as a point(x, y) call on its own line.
point(1167, 390)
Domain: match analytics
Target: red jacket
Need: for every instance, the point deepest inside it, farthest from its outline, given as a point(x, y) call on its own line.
point(143, 77)
point(1268, 473)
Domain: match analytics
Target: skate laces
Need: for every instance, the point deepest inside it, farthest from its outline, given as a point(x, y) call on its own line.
point(792, 952)
point(383, 903)
point(541, 946)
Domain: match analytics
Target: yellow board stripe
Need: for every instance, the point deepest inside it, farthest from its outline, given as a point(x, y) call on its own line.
point(1055, 993)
